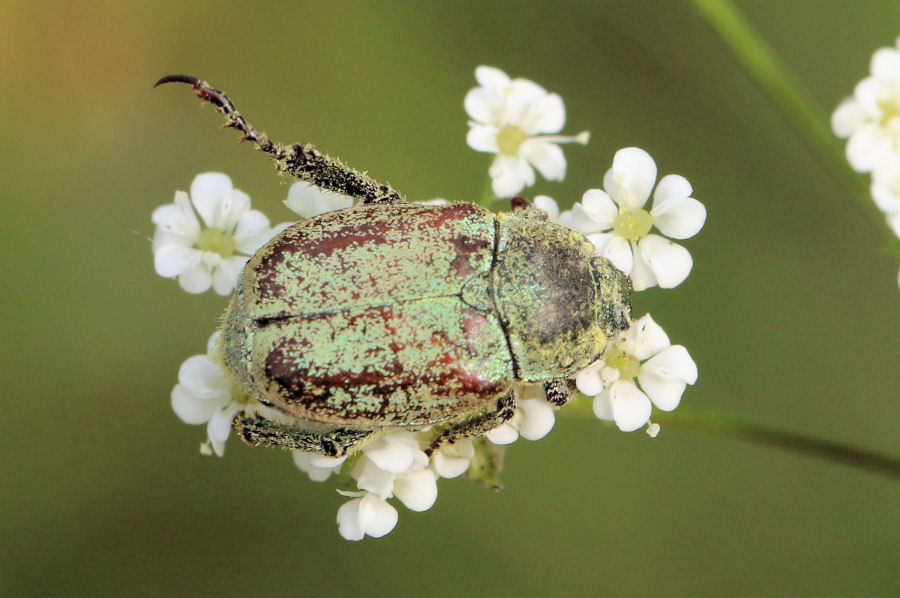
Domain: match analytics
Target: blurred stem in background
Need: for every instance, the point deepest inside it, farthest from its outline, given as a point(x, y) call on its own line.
point(808, 121)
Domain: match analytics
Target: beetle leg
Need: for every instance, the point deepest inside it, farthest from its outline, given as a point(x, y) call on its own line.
point(301, 160)
point(559, 391)
point(338, 443)
point(485, 422)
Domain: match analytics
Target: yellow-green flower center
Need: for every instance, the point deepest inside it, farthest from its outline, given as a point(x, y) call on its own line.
point(509, 139)
point(215, 241)
point(627, 364)
point(633, 224)
point(890, 107)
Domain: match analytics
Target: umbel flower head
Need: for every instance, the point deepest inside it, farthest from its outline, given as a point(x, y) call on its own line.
point(870, 119)
point(205, 238)
point(639, 370)
point(615, 221)
point(512, 119)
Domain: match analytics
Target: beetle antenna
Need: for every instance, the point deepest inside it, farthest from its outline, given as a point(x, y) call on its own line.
point(301, 160)
point(233, 118)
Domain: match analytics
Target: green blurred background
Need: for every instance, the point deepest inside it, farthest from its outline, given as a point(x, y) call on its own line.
point(791, 312)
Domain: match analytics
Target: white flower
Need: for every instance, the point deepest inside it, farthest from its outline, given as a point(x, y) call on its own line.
point(508, 118)
point(643, 352)
point(885, 190)
point(533, 419)
point(395, 465)
point(367, 515)
point(871, 118)
point(308, 200)
point(205, 238)
point(205, 395)
point(452, 460)
point(649, 259)
point(318, 467)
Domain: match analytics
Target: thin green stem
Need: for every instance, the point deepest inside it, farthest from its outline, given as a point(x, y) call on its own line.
point(787, 95)
point(731, 425)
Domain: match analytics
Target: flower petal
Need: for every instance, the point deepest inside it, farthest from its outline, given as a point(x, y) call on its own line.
point(510, 175)
point(314, 468)
point(188, 408)
point(631, 408)
point(537, 418)
point(395, 452)
point(204, 379)
point(452, 460)
point(226, 275)
point(482, 138)
point(209, 191)
point(615, 249)
point(252, 232)
point(372, 478)
point(631, 177)
point(848, 117)
point(308, 200)
point(671, 263)
point(417, 489)
point(219, 426)
point(548, 158)
point(171, 259)
point(506, 433)
point(548, 205)
point(664, 376)
point(546, 114)
point(588, 381)
point(600, 208)
point(196, 279)
point(367, 515)
point(679, 219)
point(602, 406)
point(645, 338)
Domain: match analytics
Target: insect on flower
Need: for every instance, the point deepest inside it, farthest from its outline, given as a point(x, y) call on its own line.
point(394, 315)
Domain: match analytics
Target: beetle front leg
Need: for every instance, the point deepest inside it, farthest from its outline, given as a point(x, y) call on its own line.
point(559, 391)
point(301, 160)
point(480, 424)
point(338, 443)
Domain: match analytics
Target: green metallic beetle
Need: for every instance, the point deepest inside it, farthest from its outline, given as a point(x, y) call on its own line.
point(402, 315)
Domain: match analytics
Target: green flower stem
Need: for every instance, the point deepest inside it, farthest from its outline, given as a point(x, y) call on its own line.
point(731, 425)
point(786, 94)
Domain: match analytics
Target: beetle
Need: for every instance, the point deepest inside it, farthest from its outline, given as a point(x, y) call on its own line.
point(392, 314)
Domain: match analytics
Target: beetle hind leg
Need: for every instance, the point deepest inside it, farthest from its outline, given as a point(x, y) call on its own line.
point(257, 429)
point(480, 424)
point(301, 160)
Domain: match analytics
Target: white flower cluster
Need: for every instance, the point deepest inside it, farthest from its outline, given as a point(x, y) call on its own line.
point(204, 239)
point(511, 118)
point(870, 121)
point(615, 221)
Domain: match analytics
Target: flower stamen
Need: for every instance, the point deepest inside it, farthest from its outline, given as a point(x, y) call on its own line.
point(633, 224)
point(216, 241)
point(510, 139)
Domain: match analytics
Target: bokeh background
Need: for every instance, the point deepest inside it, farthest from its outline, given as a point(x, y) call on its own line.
point(791, 312)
